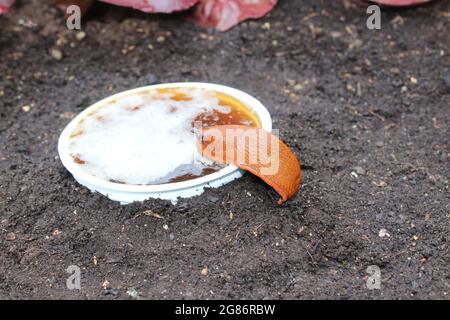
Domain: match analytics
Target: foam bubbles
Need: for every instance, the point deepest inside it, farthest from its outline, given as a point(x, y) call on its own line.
point(144, 137)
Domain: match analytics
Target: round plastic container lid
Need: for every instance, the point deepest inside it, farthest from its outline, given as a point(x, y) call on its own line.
point(126, 193)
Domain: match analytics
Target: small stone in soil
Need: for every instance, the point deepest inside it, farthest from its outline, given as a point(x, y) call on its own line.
point(80, 35)
point(11, 236)
point(360, 170)
point(380, 183)
point(383, 233)
point(150, 213)
point(105, 284)
point(266, 26)
point(204, 271)
point(67, 115)
point(395, 70)
point(291, 82)
point(56, 54)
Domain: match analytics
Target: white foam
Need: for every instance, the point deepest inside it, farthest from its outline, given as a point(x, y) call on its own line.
point(140, 139)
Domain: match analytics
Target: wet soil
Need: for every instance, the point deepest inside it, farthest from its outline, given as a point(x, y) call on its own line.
point(366, 112)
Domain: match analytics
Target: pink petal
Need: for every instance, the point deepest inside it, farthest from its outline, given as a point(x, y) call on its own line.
point(224, 14)
point(5, 5)
point(161, 6)
point(400, 3)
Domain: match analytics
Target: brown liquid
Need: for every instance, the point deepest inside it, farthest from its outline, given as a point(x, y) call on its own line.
point(239, 114)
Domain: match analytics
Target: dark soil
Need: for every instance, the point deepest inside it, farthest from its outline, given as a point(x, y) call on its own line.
point(367, 113)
